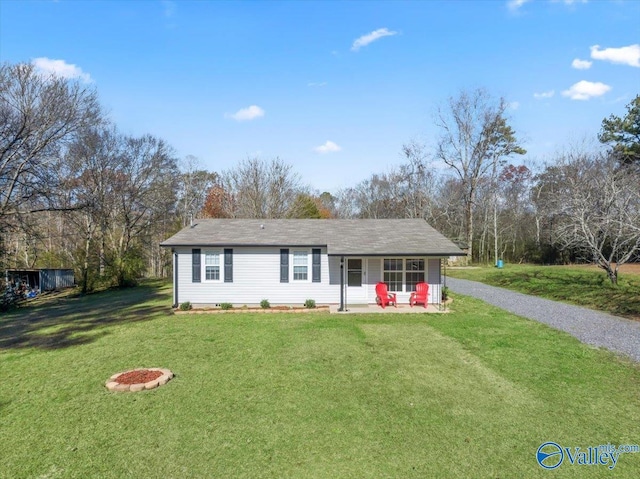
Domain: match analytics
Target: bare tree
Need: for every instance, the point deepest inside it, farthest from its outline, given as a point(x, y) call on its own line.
point(405, 191)
point(144, 192)
point(597, 209)
point(38, 116)
point(515, 212)
point(194, 187)
point(475, 136)
point(91, 165)
point(261, 189)
point(419, 182)
point(449, 209)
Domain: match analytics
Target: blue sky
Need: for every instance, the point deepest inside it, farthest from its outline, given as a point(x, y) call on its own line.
point(333, 88)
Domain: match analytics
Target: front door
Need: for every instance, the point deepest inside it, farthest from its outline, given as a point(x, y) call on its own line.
point(356, 279)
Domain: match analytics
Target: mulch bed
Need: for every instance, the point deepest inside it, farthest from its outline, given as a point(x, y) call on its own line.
point(138, 376)
point(272, 310)
point(139, 379)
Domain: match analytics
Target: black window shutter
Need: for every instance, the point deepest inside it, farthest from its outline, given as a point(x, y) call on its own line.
point(315, 273)
point(228, 265)
point(284, 265)
point(195, 265)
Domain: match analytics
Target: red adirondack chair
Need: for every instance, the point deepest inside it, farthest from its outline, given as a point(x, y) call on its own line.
point(383, 297)
point(420, 295)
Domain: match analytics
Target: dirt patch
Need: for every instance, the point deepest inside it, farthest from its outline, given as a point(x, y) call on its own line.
point(627, 268)
point(630, 268)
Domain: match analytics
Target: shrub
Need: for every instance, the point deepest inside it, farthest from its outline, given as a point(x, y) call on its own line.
point(310, 303)
point(445, 293)
point(226, 305)
point(264, 304)
point(9, 300)
point(186, 306)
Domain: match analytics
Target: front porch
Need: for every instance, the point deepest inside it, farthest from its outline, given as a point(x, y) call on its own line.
point(401, 309)
point(359, 275)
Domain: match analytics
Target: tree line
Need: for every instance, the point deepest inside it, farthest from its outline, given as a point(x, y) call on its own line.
point(76, 192)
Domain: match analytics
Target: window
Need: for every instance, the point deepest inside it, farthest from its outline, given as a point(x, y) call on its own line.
point(396, 270)
point(212, 266)
point(414, 273)
point(300, 265)
point(354, 272)
point(393, 274)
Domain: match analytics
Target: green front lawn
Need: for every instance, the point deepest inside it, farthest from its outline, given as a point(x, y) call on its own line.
point(472, 393)
point(581, 285)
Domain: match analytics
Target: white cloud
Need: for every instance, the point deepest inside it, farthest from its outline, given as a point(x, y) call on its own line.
point(364, 40)
point(629, 55)
point(584, 90)
point(61, 69)
point(317, 84)
point(514, 105)
point(516, 4)
point(245, 114)
point(328, 147)
point(544, 94)
point(581, 64)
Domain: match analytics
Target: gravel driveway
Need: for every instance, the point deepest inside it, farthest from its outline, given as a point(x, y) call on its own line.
point(592, 327)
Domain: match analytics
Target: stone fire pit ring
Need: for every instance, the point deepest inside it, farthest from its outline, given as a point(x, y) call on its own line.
point(139, 379)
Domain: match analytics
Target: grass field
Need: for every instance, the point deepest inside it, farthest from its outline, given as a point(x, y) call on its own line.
point(582, 285)
point(472, 393)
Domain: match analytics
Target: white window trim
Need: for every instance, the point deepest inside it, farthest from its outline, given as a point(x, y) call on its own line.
point(404, 269)
point(220, 266)
point(309, 254)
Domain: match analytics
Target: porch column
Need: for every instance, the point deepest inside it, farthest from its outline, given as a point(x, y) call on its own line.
point(341, 284)
point(443, 279)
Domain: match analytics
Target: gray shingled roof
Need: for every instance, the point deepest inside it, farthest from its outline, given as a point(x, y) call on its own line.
point(399, 237)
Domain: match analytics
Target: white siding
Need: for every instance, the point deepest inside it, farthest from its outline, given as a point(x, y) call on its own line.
point(256, 276)
point(434, 280)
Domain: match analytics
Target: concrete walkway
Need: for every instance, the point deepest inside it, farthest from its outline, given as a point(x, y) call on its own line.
point(375, 309)
point(592, 327)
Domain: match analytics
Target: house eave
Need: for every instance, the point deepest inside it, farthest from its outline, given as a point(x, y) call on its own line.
point(395, 254)
point(243, 245)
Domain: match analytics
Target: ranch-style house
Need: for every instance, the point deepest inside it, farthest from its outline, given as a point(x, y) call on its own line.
point(288, 261)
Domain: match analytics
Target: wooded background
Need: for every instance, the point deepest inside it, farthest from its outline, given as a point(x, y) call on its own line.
point(77, 193)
